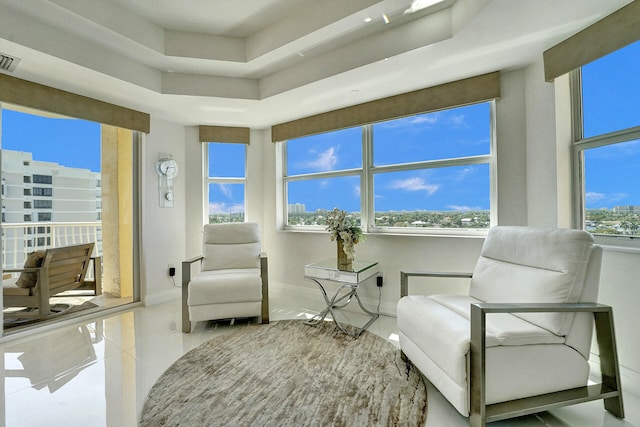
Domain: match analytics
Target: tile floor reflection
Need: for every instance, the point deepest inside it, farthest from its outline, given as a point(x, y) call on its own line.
point(98, 373)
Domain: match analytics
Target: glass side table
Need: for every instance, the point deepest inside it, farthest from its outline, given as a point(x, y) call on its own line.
point(349, 282)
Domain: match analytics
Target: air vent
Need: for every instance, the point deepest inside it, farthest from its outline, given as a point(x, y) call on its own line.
point(8, 63)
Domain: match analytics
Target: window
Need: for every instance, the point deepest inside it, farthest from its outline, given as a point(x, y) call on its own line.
point(26, 179)
point(226, 179)
point(42, 204)
point(27, 205)
point(607, 146)
point(44, 216)
point(428, 171)
point(39, 191)
point(42, 179)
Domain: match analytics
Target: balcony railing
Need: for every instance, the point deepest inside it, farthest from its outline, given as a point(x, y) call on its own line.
point(19, 239)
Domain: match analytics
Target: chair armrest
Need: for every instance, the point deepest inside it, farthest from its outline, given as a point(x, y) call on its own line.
point(186, 278)
point(605, 337)
point(21, 270)
point(186, 268)
point(264, 275)
point(404, 278)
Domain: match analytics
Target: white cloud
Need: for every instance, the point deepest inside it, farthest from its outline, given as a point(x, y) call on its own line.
point(461, 174)
point(414, 184)
point(221, 207)
point(458, 120)
point(225, 190)
point(463, 208)
point(325, 161)
point(429, 119)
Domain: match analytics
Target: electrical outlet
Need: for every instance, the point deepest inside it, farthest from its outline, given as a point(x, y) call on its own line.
point(172, 270)
point(379, 281)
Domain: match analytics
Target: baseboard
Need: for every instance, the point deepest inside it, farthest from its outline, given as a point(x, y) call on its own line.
point(629, 378)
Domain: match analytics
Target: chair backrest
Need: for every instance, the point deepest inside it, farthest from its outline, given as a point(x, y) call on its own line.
point(229, 246)
point(537, 265)
point(67, 266)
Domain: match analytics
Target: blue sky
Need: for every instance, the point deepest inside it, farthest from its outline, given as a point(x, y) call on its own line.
point(69, 142)
point(459, 132)
point(610, 101)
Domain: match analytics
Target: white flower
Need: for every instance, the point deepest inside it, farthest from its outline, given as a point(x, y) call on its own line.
point(341, 227)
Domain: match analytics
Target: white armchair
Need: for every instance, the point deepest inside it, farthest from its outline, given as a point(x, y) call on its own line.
point(233, 277)
point(519, 342)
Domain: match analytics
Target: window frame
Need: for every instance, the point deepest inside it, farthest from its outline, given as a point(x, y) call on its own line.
point(579, 145)
point(369, 170)
point(223, 180)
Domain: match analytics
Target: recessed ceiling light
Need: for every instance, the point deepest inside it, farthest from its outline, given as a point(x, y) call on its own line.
point(367, 19)
point(385, 18)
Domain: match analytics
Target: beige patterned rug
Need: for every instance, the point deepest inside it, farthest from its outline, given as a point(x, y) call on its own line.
point(287, 373)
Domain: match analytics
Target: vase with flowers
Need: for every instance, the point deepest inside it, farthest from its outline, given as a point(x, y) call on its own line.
point(347, 234)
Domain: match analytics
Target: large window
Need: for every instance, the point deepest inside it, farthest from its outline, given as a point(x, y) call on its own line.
point(607, 147)
point(226, 182)
point(428, 171)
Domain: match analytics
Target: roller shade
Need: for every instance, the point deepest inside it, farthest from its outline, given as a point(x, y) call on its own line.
point(605, 36)
point(461, 92)
point(238, 135)
point(40, 97)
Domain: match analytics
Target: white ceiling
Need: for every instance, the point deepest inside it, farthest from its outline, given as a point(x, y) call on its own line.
point(261, 62)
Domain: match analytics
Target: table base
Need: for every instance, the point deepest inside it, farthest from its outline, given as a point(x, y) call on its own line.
point(337, 303)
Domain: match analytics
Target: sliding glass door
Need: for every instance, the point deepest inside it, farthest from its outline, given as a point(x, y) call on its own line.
point(67, 181)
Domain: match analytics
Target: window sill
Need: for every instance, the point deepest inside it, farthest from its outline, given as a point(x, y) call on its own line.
point(399, 232)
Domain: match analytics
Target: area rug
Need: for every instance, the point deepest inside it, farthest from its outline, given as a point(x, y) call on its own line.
point(287, 373)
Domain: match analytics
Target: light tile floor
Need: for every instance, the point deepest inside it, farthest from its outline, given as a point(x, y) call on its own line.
point(97, 373)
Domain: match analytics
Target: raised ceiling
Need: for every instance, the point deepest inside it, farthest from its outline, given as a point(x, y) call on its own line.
point(260, 62)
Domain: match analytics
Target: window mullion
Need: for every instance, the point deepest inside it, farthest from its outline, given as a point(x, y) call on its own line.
point(366, 180)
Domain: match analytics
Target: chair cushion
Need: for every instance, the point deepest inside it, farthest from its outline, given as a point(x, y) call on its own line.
point(225, 286)
point(235, 245)
point(28, 279)
point(523, 264)
point(439, 326)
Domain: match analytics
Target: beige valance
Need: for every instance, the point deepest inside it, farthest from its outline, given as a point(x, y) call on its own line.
point(461, 92)
point(605, 36)
point(44, 98)
point(224, 134)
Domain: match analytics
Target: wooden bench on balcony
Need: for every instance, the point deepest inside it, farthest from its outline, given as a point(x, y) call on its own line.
point(60, 269)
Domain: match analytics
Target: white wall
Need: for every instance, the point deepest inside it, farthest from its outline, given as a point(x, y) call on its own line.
point(163, 229)
point(530, 160)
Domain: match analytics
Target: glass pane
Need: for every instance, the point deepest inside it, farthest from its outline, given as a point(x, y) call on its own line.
point(325, 152)
point(309, 200)
point(226, 203)
point(226, 160)
point(450, 197)
point(457, 132)
point(610, 92)
point(612, 195)
point(51, 170)
point(68, 181)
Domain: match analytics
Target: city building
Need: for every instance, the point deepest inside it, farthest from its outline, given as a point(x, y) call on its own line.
point(44, 201)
